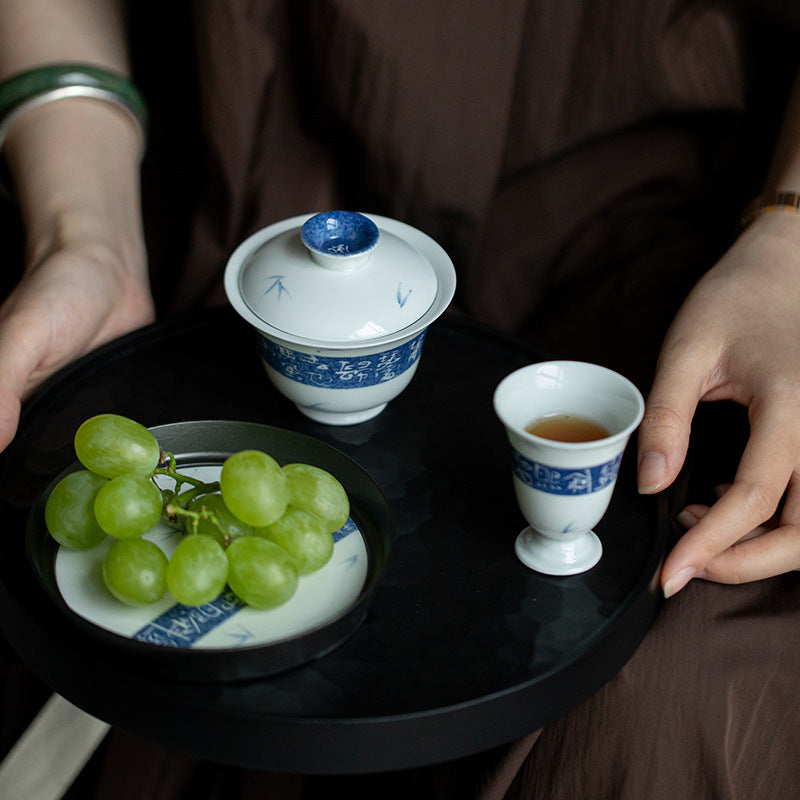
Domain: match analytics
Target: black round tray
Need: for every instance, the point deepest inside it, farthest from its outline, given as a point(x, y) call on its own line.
point(462, 647)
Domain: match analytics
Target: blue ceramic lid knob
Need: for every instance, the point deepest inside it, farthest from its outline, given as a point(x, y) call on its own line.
point(339, 239)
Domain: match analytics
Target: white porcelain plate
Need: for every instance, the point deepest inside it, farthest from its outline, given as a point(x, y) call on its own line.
point(225, 638)
point(225, 622)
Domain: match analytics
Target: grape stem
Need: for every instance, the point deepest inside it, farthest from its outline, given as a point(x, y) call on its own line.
point(176, 502)
point(168, 469)
point(191, 518)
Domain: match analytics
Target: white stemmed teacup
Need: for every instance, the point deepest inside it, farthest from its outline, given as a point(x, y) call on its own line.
point(564, 488)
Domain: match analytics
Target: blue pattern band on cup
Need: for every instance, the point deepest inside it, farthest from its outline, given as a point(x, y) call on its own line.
point(341, 372)
point(564, 480)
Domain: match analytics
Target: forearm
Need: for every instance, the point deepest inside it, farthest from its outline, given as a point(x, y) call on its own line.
point(35, 32)
point(784, 173)
point(74, 163)
point(75, 169)
point(780, 230)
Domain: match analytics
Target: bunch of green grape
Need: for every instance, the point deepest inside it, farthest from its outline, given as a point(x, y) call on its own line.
point(256, 530)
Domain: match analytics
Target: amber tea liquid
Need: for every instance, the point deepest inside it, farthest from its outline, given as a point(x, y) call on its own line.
point(567, 428)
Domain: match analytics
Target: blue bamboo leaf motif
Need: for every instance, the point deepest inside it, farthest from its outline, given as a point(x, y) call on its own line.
point(401, 298)
point(242, 637)
point(277, 283)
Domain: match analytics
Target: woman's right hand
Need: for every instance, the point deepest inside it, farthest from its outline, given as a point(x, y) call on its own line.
point(73, 297)
point(75, 170)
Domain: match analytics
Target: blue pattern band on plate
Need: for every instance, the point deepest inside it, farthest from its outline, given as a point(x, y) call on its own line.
point(341, 372)
point(182, 626)
point(560, 480)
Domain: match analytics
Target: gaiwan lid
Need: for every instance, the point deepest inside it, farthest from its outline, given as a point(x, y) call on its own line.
point(337, 277)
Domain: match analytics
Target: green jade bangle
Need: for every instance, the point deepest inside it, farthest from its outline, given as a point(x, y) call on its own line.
point(35, 87)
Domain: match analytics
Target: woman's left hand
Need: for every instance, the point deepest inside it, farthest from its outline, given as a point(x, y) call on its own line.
point(736, 337)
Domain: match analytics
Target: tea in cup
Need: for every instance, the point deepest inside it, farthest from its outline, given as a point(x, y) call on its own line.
point(568, 423)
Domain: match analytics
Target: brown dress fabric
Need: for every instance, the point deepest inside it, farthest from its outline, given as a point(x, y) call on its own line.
point(583, 163)
point(549, 146)
point(575, 158)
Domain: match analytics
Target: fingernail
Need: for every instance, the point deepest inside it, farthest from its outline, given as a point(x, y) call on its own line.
point(678, 581)
point(687, 519)
point(652, 468)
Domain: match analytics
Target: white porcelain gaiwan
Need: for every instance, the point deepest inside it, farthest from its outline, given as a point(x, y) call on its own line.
point(341, 302)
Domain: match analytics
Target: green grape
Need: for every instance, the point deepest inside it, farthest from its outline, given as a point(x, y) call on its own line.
point(69, 511)
point(197, 571)
point(304, 538)
point(254, 487)
point(315, 490)
point(228, 527)
point(135, 571)
point(111, 445)
point(260, 573)
point(128, 506)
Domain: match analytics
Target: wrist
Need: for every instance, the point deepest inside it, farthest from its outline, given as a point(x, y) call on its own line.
point(75, 170)
point(780, 226)
point(770, 202)
point(100, 237)
point(30, 89)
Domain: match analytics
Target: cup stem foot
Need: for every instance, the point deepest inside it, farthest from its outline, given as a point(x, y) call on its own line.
point(552, 557)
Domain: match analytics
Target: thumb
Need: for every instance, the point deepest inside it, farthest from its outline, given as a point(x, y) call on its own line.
point(19, 355)
point(664, 432)
point(10, 406)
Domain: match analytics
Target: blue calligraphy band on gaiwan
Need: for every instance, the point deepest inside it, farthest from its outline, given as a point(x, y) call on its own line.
point(568, 481)
point(341, 372)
